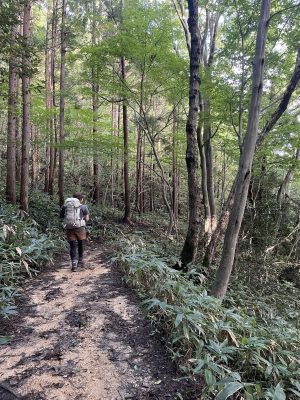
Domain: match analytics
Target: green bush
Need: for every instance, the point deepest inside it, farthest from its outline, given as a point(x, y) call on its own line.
point(24, 248)
point(44, 211)
point(241, 352)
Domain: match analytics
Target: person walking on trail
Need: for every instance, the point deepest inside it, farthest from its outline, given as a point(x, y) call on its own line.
point(75, 216)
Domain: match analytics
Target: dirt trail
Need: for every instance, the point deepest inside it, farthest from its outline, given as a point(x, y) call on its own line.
point(82, 336)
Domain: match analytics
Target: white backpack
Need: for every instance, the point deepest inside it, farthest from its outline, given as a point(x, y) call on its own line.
point(73, 216)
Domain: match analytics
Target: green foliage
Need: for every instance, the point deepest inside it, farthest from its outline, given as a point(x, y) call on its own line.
point(45, 212)
point(254, 355)
point(24, 248)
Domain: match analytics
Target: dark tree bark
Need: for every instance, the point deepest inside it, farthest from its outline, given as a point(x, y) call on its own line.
point(62, 104)
point(244, 172)
point(24, 188)
point(189, 250)
point(12, 126)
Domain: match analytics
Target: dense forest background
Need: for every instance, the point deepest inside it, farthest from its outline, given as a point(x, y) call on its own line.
point(182, 116)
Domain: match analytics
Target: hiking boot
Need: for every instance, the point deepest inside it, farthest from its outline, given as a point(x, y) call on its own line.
point(81, 263)
point(74, 266)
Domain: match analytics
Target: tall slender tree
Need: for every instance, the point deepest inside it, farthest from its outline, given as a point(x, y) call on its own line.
point(24, 188)
point(62, 103)
point(52, 87)
point(246, 159)
point(95, 101)
point(190, 247)
point(12, 123)
point(127, 210)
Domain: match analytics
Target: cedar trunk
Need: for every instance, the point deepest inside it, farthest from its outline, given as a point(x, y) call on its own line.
point(53, 120)
point(48, 106)
point(62, 105)
point(11, 127)
point(26, 111)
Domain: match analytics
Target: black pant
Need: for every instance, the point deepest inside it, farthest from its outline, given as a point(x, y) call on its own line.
point(73, 249)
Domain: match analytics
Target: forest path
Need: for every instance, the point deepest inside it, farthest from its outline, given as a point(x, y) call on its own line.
point(82, 336)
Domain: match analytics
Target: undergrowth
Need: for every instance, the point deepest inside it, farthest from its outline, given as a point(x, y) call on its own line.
point(245, 348)
point(26, 244)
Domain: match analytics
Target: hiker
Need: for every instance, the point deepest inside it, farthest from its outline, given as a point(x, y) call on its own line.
point(75, 216)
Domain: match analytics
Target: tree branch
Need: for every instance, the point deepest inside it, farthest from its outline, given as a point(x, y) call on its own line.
point(293, 83)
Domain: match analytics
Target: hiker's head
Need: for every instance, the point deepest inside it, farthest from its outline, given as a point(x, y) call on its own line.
point(78, 196)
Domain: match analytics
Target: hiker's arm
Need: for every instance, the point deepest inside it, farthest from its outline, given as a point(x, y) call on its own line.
point(86, 213)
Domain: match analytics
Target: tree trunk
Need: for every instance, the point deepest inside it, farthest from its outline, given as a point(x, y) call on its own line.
point(26, 111)
point(189, 250)
point(34, 155)
point(12, 126)
point(205, 200)
point(53, 121)
point(18, 136)
point(166, 187)
point(174, 167)
point(152, 185)
point(119, 162)
point(48, 106)
point(62, 104)
point(282, 106)
point(209, 164)
point(127, 210)
point(223, 220)
point(220, 229)
point(138, 189)
point(287, 179)
point(95, 99)
point(246, 159)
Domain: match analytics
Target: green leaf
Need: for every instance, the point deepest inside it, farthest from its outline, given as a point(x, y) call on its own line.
point(229, 390)
point(295, 392)
point(279, 393)
point(186, 332)
point(178, 319)
point(5, 339)
point(209, 378)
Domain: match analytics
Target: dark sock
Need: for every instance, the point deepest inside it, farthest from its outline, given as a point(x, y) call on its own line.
point(80, 249)
point(73, 250)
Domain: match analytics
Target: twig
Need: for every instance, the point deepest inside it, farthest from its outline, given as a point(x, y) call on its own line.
point(269, 249)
